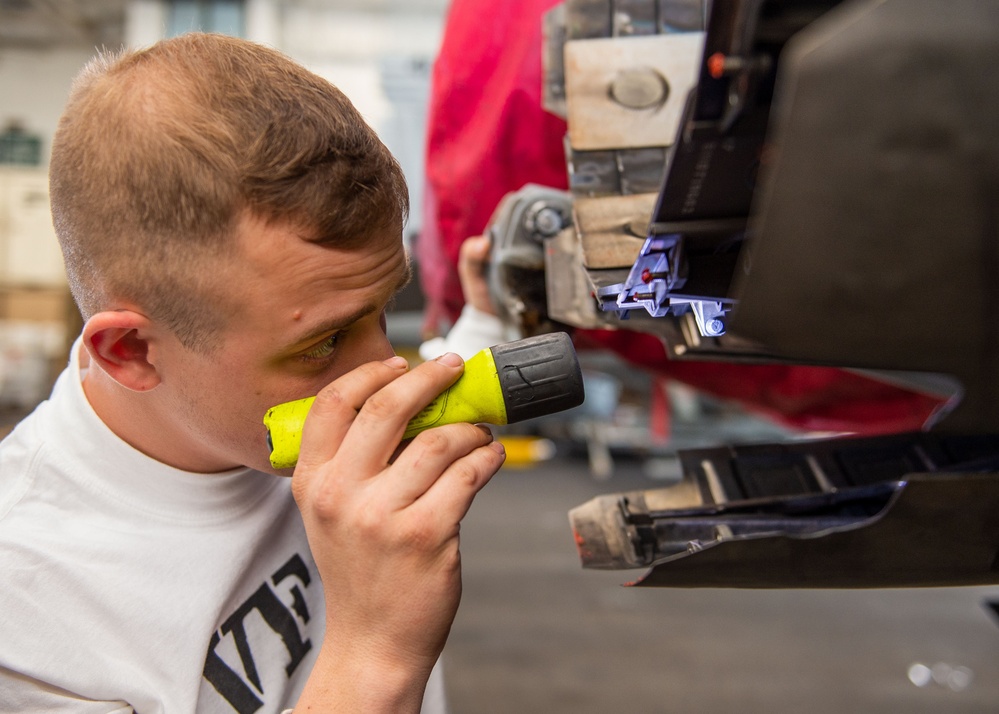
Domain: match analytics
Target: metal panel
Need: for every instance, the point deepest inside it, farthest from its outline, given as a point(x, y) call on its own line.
point(876, 242)
point(629, 93)
point(607, 226)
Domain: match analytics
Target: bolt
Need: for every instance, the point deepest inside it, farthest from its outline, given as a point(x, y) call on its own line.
point(639, 88)
point(547, 221)
point(714, 327)
point(648, 276)
point(719, 65)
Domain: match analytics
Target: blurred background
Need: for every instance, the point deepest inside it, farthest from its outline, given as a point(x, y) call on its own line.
point(535, 632)
point(379, 52)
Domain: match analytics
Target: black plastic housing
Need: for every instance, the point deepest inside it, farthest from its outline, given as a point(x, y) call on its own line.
point(538, 375)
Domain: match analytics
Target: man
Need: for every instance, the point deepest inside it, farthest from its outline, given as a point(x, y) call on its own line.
point(232, 236)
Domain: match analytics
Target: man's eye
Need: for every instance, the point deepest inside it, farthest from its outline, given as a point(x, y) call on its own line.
point(324, 350)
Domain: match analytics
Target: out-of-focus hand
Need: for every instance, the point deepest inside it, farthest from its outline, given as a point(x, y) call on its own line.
point(384, 530)
point(473, 262)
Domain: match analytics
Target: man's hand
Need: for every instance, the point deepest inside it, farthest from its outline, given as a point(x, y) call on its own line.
point(473, 262)
point(384, 531)
point(479, 326)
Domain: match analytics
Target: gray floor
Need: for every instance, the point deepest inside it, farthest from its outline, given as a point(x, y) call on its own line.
point(536, 633)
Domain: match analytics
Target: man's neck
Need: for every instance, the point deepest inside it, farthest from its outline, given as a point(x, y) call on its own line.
point(135, 418)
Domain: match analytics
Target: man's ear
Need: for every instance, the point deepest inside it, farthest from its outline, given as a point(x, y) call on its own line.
point(119, 343)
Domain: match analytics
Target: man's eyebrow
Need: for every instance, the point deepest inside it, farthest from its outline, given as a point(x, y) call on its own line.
point(333, 325)
point(403, 277)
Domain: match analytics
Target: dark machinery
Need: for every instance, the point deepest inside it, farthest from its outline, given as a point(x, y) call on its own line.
point(801, 181)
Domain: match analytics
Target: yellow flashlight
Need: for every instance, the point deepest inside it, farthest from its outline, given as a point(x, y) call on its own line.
point(502, 384)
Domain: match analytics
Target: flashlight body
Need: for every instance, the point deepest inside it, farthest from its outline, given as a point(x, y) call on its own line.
point(502, 384)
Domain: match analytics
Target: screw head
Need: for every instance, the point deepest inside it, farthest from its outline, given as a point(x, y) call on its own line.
point(714, 327)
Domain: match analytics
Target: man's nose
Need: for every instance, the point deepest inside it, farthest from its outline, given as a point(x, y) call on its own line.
point(379, 347)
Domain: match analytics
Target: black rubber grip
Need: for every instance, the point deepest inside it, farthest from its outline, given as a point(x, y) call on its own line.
point(538, 376)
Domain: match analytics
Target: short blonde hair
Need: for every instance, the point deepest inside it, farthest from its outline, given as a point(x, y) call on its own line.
point(160, 151)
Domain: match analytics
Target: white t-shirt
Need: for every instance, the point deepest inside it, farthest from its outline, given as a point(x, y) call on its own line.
point(130, 585)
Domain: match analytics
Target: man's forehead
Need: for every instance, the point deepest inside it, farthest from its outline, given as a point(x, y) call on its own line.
point(272, 247)
point(277, 269)
point(404, 274)
point(308, 321)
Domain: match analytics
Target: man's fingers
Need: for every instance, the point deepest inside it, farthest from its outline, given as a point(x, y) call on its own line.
point(475, 249)
point(429, 455)
point(451, 495)
point(336, 407)
point(380, 423)
point(472, 264)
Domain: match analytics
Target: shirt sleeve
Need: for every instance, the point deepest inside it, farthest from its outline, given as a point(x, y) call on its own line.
point(473, 331)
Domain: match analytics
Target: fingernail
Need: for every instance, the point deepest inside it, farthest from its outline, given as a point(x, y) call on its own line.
point(397, 362)
point(497, 447)
point(450, 359)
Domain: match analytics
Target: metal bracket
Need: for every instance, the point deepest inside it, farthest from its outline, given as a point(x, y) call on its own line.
point(900, 511)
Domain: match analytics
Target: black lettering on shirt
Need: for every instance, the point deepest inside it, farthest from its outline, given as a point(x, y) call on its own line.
point(239, 693)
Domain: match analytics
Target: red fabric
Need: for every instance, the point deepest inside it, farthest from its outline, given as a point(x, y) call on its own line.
point(808, 398)
point(659, 412)
point(489, 136)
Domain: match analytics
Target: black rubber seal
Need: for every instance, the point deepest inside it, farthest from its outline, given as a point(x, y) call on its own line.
point(538, 376)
